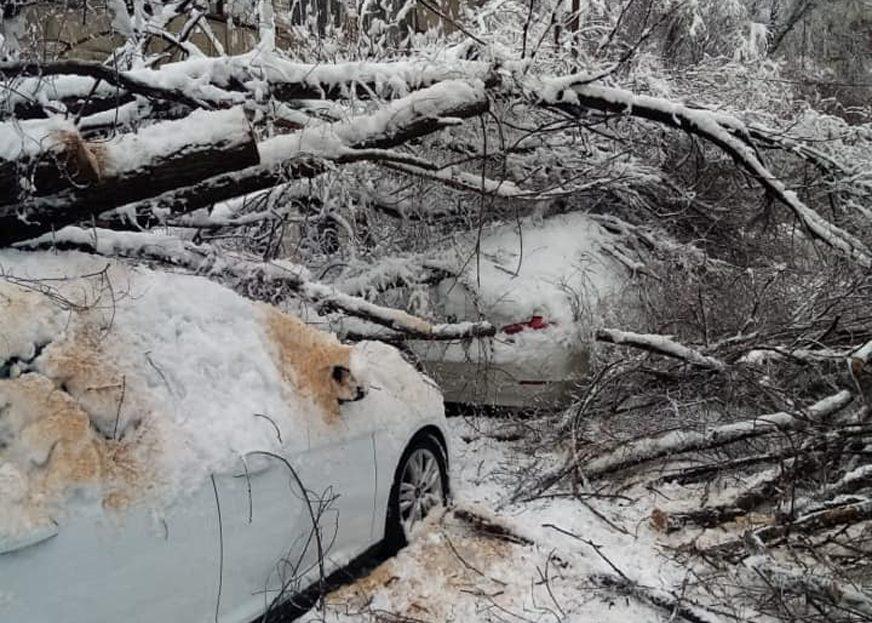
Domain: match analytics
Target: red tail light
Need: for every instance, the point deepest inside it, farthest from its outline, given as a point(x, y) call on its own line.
point(535, 323)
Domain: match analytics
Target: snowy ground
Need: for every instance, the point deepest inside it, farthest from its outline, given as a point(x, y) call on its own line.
point(458, 570)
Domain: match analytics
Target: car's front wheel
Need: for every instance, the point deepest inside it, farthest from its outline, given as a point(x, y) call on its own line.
point(420, 486)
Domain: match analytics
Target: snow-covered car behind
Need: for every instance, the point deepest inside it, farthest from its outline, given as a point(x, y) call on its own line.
point(167, 447)
point(542, 283)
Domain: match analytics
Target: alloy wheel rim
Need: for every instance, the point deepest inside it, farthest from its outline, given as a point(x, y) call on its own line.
point(420, 488)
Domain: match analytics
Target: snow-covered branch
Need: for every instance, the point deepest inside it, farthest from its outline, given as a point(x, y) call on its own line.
point(662, 345)
point(220, 82)
point(193, 162)
point(203, 259)
point(574, 93)
point(668, 444)
point(71, 179)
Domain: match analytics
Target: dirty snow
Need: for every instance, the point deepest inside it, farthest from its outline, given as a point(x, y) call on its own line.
point(455, 571)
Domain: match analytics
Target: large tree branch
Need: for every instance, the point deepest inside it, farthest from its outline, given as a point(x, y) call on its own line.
point(662, 345)
point(203, 259)
point(66, 179)
point(227, 81)
point(669, 444)
point(306, 153)
point(574, 93)
point(132, 82)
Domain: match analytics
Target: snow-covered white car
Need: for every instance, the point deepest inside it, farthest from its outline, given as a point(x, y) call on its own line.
point(541, 283)
point(169, 450)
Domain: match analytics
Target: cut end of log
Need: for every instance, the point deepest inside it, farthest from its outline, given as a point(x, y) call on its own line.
point(84, 162)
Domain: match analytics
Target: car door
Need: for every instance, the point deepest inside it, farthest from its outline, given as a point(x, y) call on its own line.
point(204, 554)
point(264, 526)
point(338, 472)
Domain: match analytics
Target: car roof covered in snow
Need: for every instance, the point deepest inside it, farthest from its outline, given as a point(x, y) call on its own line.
point(533, 267)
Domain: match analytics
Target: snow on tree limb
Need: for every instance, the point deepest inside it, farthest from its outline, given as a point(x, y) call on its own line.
point(227, 81)
point(661, 345)
point(275, 160)
point(129, 81)
point(203, 259)
point(306, 154)
point(73, 178)
point(649, 449)
point(570, 93)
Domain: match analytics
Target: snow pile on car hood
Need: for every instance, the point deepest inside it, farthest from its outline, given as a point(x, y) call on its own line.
point(120, 385)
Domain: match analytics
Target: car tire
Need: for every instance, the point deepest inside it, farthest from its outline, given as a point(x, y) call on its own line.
point(417, 489)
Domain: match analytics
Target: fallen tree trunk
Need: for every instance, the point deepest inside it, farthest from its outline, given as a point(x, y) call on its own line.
point(205, 260)
point(310, 152)
point(198, 175)
point(72, 179)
